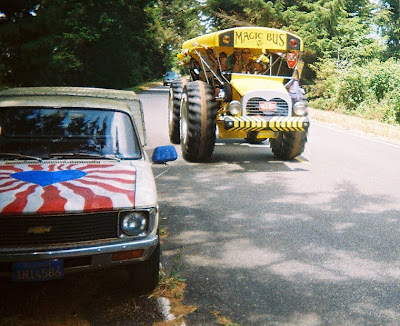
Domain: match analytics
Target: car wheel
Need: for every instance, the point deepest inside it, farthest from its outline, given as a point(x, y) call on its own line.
point(145, 275)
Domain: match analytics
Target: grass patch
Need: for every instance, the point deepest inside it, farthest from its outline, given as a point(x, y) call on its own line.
point(223, 320)
point(140, 88)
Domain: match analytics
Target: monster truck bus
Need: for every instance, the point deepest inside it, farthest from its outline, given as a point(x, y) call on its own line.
point(244, 83)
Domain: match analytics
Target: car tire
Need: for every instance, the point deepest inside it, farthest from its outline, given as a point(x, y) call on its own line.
point(289, 144)
point(198, 121)
point(174, 110)
point(145, 275)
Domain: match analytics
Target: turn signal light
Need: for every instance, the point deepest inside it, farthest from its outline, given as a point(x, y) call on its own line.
point(125, 255)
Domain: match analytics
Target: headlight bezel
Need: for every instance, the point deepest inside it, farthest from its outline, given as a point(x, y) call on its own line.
point(147, 221)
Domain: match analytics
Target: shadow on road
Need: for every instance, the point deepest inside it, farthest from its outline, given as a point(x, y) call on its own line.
point(101, 298)
point(306, 254)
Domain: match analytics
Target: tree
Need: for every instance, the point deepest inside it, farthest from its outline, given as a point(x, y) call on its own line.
point(111, 43)
point(179, 20)
point(26, 41)
point(389, 23)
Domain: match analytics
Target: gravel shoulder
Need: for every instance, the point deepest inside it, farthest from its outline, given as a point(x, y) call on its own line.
point(369, 128)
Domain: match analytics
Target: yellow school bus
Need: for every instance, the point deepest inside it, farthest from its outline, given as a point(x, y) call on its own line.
point(244, 83)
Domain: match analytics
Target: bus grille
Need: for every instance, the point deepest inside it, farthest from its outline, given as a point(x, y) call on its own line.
point(253, 105)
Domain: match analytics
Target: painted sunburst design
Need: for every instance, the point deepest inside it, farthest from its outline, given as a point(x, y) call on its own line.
point(62, 188)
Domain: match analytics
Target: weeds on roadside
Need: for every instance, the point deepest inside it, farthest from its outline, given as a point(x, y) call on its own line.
point(172, 287)
point(223, 320)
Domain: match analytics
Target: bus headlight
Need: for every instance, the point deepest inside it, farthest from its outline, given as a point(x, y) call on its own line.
point(234, 107)
point(300, 108)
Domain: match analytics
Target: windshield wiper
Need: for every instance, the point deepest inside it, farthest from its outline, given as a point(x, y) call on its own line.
point(20, 156)
point(83, 155)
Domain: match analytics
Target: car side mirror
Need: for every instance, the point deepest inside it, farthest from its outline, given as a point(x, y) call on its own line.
point(163, 154)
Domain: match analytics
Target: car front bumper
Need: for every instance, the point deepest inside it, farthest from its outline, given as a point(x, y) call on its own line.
point(81, 257)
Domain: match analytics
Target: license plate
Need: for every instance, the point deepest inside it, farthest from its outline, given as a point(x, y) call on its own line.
point(268, 106)
point(38, 271)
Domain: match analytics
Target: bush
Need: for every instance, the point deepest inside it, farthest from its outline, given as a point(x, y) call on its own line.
point(383, 77)
point(325, 82)
point(392, 108)
point(353, 88)
point(369, 91)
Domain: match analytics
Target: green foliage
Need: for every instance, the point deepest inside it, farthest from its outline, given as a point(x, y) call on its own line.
point(353, 87)
point(179, 21)
point(369, 91)
point(325, 86)
point(388, 18)
point(392, 108)
point(110, 43)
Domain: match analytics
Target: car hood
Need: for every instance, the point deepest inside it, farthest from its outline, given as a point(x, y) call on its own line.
point(75, 186)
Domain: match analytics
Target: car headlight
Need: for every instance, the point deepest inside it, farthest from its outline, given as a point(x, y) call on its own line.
point(300, 108)
point(133, 223)
point(234, 107)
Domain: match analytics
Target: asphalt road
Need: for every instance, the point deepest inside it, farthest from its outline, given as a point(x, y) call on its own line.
point(312, 241)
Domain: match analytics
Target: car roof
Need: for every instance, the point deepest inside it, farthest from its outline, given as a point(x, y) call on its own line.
point(63, 101)
point(69, 90)
point(86, 97)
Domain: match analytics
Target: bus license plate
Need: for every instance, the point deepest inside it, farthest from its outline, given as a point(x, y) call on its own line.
point(38, 271)
point(268, 106)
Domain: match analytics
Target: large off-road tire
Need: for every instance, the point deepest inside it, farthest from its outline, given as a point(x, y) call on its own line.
point(198, 121)
point(174, 109)
point(288, 144)
point(145, 275)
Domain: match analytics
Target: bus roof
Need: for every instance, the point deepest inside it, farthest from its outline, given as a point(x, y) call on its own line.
point(262, 38)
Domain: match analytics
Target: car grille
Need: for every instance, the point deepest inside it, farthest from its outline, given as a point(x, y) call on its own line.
point(253, 105)
point(48, 230)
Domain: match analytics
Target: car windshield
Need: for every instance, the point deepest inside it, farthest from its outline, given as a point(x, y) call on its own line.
point(74, 132)
point(171, 74)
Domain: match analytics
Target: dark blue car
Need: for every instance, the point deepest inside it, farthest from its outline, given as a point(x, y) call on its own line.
point(169, 77)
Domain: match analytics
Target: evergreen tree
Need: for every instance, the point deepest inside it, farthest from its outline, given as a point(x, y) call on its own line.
point(389, 22)
point(179, 20)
